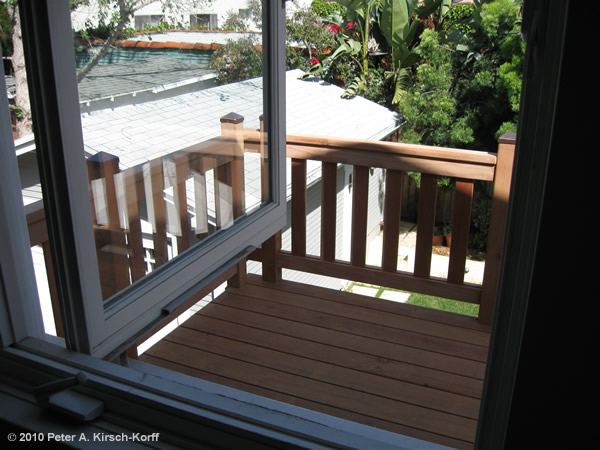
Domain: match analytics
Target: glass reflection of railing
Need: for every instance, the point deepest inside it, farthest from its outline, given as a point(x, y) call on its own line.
point(146, 215)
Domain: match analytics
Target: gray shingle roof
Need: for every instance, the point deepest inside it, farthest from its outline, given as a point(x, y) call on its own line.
point(141, 132)
point(138, 133)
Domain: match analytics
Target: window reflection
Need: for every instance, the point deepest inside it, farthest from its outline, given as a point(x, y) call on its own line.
point(170, 162)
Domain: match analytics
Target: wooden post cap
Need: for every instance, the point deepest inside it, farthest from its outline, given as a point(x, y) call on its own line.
point(103, 157)
point(233, 118)
point(507, 138)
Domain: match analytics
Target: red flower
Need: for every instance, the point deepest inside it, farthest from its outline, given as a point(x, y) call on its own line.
point(314, 61)
point(334, 28)
point(349, 26)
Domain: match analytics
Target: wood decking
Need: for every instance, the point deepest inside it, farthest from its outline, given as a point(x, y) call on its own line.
point(404, 369)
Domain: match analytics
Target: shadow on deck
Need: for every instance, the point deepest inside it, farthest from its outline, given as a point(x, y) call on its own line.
point(396, 367)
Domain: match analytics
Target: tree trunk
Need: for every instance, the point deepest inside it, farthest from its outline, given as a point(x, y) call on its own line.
point(124, 15)
point(22, 104)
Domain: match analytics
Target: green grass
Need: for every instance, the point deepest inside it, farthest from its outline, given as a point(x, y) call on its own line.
point(428, 301)
point(444, 304)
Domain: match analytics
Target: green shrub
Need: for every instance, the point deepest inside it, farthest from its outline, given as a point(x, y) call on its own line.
point(325, 9)
point(237, 60)
point(234, 22)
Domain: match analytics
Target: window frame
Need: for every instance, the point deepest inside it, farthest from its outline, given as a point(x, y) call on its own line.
point(18, 296)
point(106, 329)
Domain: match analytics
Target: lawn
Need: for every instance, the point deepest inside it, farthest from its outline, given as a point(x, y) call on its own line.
point(444, 304)
point(429, 301)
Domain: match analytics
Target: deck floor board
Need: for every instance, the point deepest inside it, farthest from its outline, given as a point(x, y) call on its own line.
point(342, 354)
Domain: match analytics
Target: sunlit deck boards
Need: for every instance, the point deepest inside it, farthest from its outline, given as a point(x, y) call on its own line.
point(392, 366)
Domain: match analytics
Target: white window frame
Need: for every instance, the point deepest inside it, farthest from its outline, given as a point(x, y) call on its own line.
point(106, 329)
point(146, 20)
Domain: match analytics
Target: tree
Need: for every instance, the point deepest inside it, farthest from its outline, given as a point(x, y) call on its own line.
point(487, 66)
point(116, 13)
point(22, 105)
point(305, 29)
point(234, 22)
point(255, 7)
point(432, 112)
point(237, 60)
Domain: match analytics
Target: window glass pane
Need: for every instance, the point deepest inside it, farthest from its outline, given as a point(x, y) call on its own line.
point(172, 139)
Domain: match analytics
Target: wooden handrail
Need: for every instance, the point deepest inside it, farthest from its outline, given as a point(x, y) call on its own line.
point(471, 164)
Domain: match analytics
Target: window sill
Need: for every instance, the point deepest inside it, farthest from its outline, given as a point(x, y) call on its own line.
point(146, 399)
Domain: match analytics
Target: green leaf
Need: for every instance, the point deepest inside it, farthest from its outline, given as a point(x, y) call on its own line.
point(410, 35)
point(410, 59)
point(355, 46)
point(394, 22)
point(342, 49)
point(398, 94)
point(352, 5)
point(427, 8)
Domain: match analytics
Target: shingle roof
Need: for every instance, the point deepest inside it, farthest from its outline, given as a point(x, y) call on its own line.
point(146, 74)
point(141, 132)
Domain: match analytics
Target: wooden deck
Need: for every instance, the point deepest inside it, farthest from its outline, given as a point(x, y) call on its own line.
point(392, 366)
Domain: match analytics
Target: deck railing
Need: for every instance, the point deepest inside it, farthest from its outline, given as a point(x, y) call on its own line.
point(147, 214)
point(464, 165)
point(121, 227)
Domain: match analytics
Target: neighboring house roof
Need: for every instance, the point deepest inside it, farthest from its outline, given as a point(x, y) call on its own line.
point(141, 79)
point(141, 132)
point(191, 37)
point(138, 133)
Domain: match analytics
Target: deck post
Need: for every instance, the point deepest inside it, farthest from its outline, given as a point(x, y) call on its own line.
point(499, 210)
point(271, 270)
point(241, 275)
point(232, 127)
point(111, 243)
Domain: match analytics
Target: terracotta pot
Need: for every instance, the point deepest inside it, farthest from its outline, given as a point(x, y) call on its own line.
point(438, 239)
point(449, 240)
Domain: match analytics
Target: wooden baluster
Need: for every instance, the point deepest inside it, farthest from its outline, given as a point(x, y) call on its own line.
point(180, 191)
point(391, 220)
point(157, 180)
point(461, 222)
point(499, 209)
point(299, 207)
point(425, 225)
point(196, 165)
point(133, 189)
point(360, 203)
point(328, 210)
point(223, 193)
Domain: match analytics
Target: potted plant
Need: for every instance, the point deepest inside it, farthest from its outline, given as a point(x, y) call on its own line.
point(438, 236)
point(447, 230)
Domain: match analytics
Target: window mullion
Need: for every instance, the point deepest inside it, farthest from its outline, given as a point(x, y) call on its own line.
point(59, 143)
point(20, 314)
